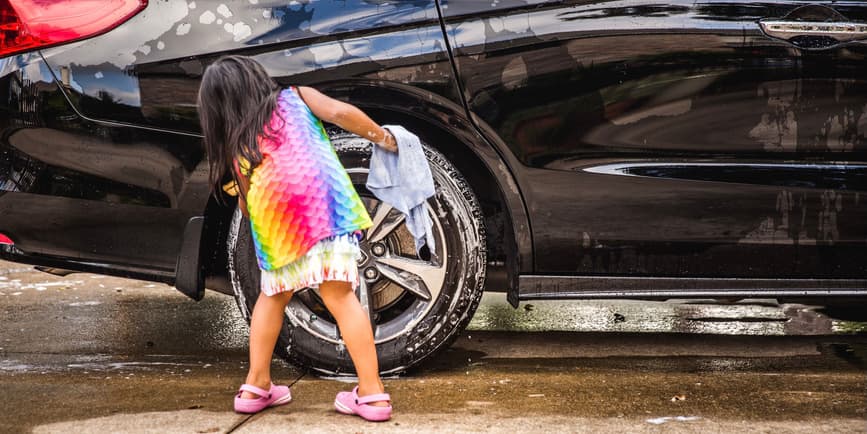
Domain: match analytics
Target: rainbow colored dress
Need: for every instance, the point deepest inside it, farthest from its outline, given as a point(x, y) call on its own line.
point(305, 215)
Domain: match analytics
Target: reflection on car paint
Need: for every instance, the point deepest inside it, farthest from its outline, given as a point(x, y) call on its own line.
point(110, 77)
point(844, 125)
point(22, 102)
point(63, 171)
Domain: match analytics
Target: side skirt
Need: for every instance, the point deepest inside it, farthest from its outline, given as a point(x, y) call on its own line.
point(537, 287)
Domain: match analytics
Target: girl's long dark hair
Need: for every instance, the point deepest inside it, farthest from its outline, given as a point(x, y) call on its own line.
point(236, 98)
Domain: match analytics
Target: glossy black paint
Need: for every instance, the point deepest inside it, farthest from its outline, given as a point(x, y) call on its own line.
point(616, 138)
point(737, 155)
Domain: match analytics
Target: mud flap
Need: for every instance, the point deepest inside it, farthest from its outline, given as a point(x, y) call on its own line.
point(189, 278)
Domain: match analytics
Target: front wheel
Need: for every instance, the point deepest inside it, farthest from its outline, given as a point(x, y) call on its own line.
point(418, 303)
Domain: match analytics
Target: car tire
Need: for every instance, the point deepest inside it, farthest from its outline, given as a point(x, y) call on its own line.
point(408, 327)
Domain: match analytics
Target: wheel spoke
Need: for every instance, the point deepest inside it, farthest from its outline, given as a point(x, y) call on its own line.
point(384, 222)
point(419, 277)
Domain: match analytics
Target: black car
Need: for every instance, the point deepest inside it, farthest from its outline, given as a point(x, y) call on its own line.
point(581, 149)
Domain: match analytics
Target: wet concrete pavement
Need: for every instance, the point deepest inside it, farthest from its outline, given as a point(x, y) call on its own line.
point(87, 353)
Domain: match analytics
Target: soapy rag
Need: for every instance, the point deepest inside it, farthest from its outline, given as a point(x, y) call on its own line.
point(403, 180)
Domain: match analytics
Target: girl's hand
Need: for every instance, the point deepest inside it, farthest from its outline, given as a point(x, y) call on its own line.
point(389, 143)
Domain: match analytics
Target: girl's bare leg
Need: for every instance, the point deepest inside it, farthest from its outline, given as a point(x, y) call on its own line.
point(357, 334)
point(264, 328)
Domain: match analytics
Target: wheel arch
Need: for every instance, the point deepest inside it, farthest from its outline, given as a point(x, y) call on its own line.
point(441, 123)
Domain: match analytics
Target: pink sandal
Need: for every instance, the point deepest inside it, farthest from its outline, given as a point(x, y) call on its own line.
point(351, 403)
point(278, 395)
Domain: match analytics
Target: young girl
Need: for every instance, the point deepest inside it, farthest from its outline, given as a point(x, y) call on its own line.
point(305, 215)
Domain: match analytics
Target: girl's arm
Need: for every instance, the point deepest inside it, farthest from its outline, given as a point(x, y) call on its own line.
point(346, 116)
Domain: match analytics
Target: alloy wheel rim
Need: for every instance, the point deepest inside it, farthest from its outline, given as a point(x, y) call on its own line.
point(403, 287)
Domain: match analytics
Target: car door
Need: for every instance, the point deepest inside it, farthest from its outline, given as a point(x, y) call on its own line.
point(675, 138)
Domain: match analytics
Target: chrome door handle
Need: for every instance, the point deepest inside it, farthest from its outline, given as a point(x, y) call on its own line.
point(814, 27)
point(840, 31)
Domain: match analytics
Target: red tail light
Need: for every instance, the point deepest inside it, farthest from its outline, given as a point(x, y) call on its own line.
point(5, 240)
point(31, 24)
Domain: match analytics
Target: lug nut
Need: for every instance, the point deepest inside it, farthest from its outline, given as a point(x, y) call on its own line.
point(370, 273)
point(378, 249)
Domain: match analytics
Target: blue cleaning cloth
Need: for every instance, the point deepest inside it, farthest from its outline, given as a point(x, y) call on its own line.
point(403, 180)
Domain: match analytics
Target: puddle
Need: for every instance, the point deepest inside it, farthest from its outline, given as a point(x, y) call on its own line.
point(353, 379)
point(15, 367)
point(757, 317)
point(666, 419)
point(855, 353)
point(126, 365)
point(100, 363)
point(85, 303)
